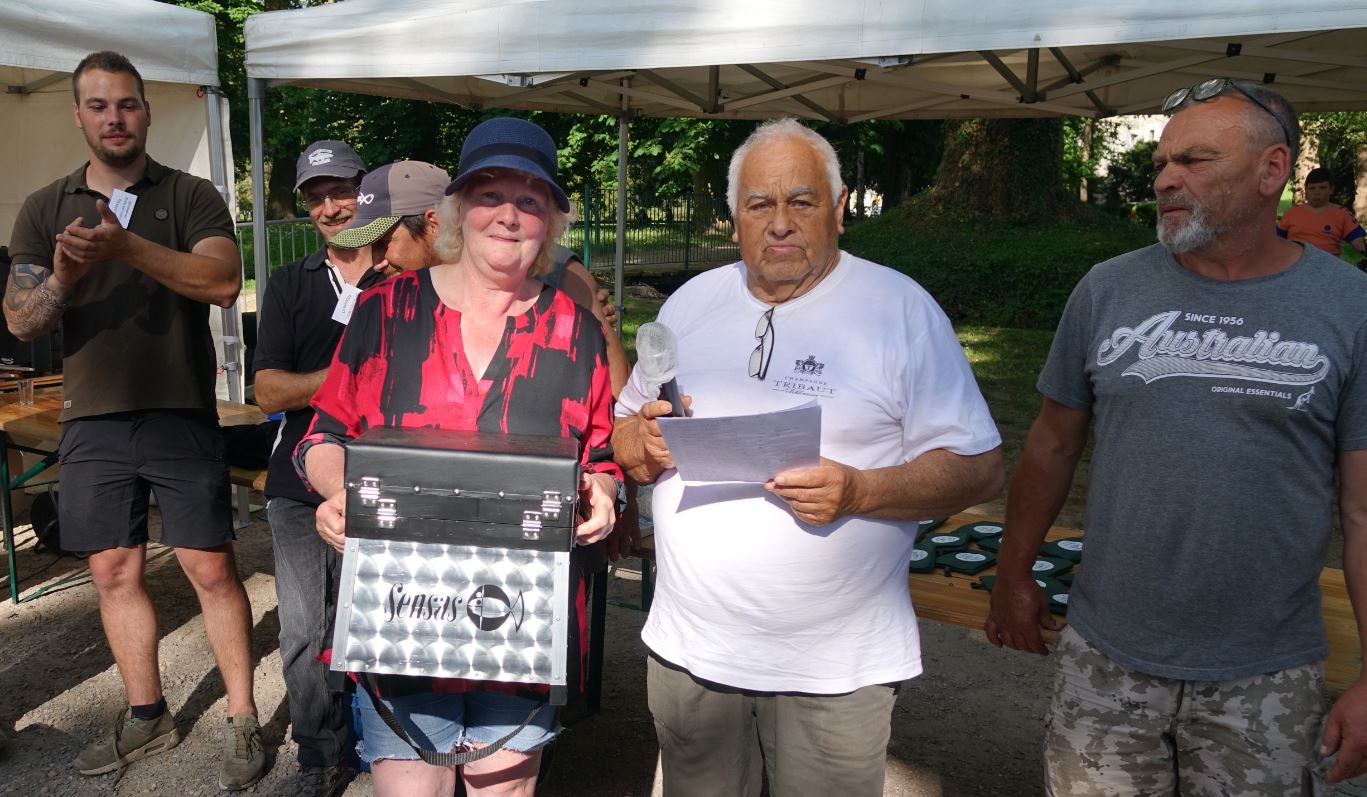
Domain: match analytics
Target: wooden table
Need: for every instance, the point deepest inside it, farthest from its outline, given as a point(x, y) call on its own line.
point(35, 429)
point(952, 599)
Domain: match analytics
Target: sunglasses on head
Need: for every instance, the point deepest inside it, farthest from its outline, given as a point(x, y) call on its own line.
point(1207, 90)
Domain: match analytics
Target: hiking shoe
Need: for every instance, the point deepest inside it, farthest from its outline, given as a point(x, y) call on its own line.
point(317, 782)
point(244, 759)
point(129, 740)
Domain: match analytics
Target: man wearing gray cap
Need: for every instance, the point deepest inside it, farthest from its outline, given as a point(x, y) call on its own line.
point(396, 215)
point(302, 316)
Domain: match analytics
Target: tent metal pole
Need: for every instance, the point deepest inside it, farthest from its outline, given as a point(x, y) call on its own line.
point(619, 267)
point(220, 171)
point(256, 95)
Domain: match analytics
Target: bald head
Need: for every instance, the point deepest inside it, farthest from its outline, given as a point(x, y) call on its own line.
point(1267, 119)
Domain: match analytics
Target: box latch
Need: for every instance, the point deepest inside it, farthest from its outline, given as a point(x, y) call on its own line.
point(531, 524)
point(387, 512)
point(550, 504)
point(369, 491)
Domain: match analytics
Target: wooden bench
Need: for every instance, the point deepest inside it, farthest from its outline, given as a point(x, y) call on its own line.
point(246, 477)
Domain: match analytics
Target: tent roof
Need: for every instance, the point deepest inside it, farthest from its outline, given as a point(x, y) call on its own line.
point(816, 58)
point(41, 42)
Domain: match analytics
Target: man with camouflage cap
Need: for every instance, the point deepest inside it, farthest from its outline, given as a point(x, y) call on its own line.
point(1224, 368)
point(396, 215)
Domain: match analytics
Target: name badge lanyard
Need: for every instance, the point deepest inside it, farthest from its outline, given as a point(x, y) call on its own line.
point(346, 296)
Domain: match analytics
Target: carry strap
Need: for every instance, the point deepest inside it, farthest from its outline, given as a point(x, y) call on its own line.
point(432, 757)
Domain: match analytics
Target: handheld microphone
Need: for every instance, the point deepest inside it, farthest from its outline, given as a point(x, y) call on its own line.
point(657, 355)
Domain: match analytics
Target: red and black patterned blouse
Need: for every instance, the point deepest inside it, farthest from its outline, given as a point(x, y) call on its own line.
point(402, 364)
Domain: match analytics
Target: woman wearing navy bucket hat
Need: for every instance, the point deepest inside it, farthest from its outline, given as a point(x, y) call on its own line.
point(474, 344)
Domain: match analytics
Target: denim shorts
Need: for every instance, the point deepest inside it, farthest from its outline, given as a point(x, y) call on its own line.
point(442, 722)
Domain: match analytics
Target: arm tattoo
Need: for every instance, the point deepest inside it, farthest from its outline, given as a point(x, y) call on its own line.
point(31, 308)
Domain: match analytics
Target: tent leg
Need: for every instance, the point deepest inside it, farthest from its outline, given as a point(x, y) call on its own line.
point(256, 95)
point(221, 173)
point(619, 268)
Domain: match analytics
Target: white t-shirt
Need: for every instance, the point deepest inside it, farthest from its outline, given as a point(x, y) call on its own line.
point(747, 595)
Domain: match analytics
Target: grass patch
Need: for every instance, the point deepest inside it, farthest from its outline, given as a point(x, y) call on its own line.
point(996, 272)
point(637, 312)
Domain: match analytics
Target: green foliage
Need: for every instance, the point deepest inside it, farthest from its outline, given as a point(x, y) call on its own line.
point(1145, 214)
point(1086, 143)
point(229, 17)
point(1341, 137)
point(1132, 172)
point(995, 271)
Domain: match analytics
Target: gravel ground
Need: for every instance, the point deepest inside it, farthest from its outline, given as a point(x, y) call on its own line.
point(969, 726)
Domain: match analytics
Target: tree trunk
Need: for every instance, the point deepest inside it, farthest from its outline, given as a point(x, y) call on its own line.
point(280, 202)
point(1308, 159)
point(1002, 167)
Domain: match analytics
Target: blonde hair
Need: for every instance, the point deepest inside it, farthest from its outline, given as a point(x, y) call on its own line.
point(450, 242)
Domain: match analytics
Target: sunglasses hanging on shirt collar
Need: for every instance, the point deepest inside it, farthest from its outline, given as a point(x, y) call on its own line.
point(764, 352)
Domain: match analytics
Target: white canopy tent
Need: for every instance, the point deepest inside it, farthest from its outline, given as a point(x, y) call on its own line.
point(811, 59)
point(175, 50)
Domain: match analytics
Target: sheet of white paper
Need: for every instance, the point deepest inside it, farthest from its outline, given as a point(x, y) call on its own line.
point(121, 205)
point(744, 448)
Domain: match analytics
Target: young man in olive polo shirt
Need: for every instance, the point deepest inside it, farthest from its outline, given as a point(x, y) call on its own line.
point(138, 410)
point(301, 319)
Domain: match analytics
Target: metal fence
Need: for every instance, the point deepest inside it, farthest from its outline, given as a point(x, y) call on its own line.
point(287, 240)
point(662, 236)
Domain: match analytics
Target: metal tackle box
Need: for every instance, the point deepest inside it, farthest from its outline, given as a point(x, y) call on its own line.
point(457, 561)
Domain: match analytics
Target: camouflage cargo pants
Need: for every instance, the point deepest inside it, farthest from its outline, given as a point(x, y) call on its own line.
point(1113, 731)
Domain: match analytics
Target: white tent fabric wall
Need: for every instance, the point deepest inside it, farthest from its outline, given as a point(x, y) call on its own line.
point(43, 144)
point(812, 59)
point(176, 51)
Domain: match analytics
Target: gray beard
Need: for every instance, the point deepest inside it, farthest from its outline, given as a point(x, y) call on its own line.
point(1198, 232)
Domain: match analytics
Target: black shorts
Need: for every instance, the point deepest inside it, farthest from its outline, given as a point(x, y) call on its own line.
point(109, 463)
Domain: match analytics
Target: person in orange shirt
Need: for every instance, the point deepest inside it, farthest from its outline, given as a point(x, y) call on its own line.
point(1319, 222)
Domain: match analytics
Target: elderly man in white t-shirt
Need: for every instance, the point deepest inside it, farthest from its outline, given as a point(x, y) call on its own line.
point(782, 626)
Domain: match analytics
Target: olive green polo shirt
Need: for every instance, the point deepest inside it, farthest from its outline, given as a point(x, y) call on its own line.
point(129, 342)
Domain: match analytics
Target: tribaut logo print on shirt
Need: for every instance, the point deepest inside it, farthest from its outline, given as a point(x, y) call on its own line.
point(1219, 350)
point(804, 380)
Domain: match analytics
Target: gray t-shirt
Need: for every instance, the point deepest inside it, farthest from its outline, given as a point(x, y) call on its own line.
point(1219, 407)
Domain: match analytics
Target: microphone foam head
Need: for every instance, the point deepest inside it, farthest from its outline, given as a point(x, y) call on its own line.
point(657, 353)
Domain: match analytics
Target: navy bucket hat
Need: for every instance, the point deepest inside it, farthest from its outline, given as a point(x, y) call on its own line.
point(510, 143)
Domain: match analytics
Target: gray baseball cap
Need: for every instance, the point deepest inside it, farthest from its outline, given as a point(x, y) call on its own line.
point(395, 190)
point(327, 158)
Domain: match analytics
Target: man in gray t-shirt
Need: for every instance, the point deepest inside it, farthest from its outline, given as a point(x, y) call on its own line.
point(1223, 369)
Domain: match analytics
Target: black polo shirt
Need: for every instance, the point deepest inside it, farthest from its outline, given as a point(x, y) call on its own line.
point(129, 342)
point(296, 333)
